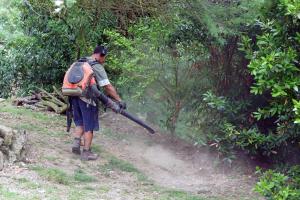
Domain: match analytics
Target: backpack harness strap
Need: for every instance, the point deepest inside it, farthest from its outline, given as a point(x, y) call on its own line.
point(91, 63)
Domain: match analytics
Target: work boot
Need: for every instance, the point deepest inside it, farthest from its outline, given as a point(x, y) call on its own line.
point(76, 146)
point(88, 155)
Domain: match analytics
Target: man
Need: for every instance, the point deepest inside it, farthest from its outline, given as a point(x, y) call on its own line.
point(85, 111)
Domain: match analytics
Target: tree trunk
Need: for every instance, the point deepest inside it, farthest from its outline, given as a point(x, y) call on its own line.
point(172, 119)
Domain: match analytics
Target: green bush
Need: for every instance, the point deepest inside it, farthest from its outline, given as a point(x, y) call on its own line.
point(278, 186)
point(274, 62)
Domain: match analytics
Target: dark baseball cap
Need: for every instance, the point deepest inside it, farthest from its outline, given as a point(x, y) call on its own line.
point(100, 49)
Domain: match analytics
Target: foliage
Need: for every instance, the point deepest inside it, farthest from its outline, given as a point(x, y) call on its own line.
point(215, 21)
point(174, 59)
point(275, 185)
point(233, 127)
point(124, 58)
point(222, 114)
point(274, 62)
point(274, 65)
point(53, 35)
point(153, 65)
point(225, 115)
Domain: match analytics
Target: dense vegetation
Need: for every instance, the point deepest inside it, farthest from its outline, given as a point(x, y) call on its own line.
point(219, 73)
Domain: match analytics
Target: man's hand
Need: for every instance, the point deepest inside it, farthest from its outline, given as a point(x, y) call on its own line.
point(122, 105)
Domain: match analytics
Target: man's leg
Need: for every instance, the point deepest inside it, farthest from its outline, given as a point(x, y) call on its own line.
point(87, 153)
point(77, 115)
point(88, 137)
point(77, 139)
point(78, 132)
point(90, 124)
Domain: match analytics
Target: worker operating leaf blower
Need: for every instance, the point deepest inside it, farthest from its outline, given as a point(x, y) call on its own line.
point(79, 81)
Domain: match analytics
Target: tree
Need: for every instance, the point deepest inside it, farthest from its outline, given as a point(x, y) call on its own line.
point(54, 35)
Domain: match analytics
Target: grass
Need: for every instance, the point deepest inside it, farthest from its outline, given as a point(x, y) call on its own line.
point(33, 120)
point(9, 195)
point(81, 176)
point(103, 189)
point(59, 176)
point(89, 188)
point(51, 158)
point(53, 175)
point(114, 163)
point(97, 149)
point(6, 107)
point(178, 195)
point(28, 184)
point(75, 194)
point(173, 194)
point(117, 164)
point(37, 127)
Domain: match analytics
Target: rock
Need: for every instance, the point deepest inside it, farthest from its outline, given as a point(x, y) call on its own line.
point(4, 149)
point(7, 134)
point(4, 130)
point(1, 161)
point(11, 157)
point(12, 146)
point(8, 139)
point(19, 143)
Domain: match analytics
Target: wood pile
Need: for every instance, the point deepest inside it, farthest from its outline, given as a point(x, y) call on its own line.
point(12, 146)
point(43, 100)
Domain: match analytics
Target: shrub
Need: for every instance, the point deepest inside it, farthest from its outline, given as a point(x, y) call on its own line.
point(278, 186)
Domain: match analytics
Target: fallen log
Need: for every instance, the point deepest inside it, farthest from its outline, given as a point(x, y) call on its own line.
point(56, 108)
point(25, 100)
point(61, 96)
point(54, 103)
point(50, 97)
point(44, 100)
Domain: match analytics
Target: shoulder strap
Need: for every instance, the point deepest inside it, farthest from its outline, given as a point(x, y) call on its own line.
point(82, 60)
point(92, 63)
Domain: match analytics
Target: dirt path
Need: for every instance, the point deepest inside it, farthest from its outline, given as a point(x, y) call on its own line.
point(175, 164)
point(133, 165)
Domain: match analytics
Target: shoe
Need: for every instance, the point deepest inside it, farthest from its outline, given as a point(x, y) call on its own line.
point(76, 146)
point(88, 155)
point(76, 150)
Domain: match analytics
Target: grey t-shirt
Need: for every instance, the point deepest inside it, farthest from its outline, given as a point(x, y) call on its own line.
point(100, 75)
point(101, 79)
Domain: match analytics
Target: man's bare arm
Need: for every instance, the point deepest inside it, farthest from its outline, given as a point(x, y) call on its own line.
point(111, 91)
